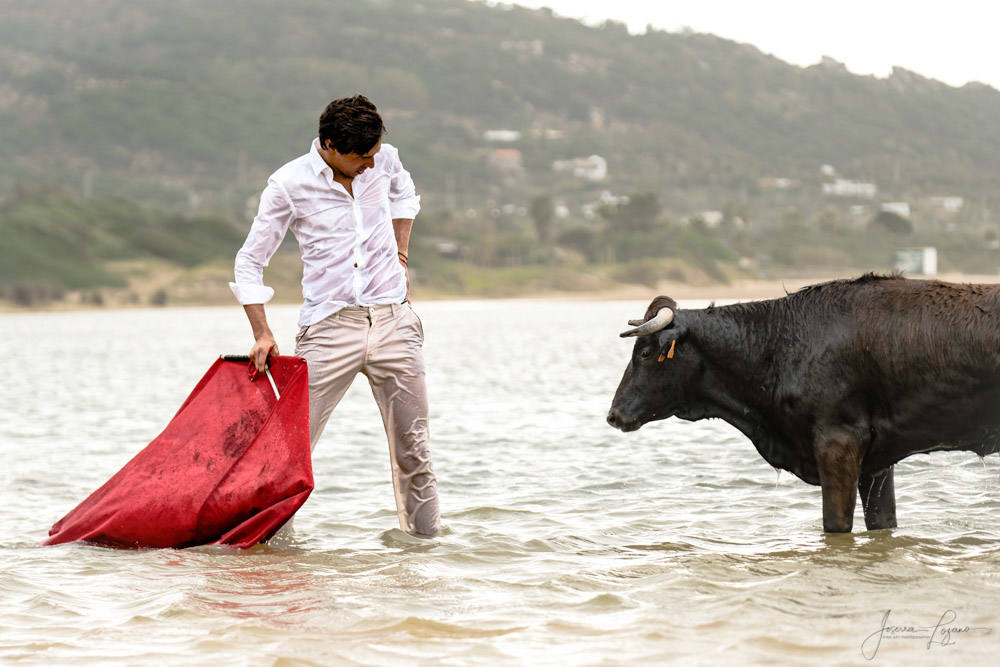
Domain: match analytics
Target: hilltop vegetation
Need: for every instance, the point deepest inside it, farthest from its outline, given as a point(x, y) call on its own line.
point(193, 101)
point(53, 242)
point(187, 107)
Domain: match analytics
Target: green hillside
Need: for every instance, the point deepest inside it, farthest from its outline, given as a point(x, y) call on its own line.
point(187, 106)
point(193, 103)
point(53, 241)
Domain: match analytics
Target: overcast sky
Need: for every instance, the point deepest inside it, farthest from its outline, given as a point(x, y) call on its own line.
point(954, 41)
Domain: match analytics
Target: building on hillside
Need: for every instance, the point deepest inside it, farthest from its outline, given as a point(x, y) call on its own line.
point(842, 187)
point(547, 133)
point(611, 199)
point(900, 208)
point(919, 261)
point(591, 210)
point(776, 183)
point(444, 246)
point(593, 168)
point(948, 204)
point(501, 136)
point(712, 219)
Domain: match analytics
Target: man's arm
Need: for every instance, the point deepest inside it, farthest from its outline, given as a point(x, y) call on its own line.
point(264, 343)
point(404, 204)
point(269, 226)
point(401, 227)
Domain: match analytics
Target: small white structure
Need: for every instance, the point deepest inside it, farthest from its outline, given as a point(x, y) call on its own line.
point(828, 170)
point(948, 204)
point(776, 183)
point(842, 187)
point(547, 133)
point(501, 136)
point(593, 168)
point(901, 208)
point(922, 261)
point(445, 247)
point(712, 219)
point(612, 199)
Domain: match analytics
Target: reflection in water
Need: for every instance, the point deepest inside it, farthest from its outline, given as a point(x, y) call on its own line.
point(272, 592)
point(564, 540)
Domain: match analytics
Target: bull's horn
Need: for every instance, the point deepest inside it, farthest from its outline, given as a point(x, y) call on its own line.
point(635, 323)
point(659, 322)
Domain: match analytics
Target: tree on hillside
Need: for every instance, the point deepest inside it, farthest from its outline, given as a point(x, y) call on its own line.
point(639, 214)
point(891, 222)
point(542, 211)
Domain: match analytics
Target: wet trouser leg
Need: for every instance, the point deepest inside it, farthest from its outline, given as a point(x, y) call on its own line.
point(384, 343)
point(334, 350)
point(394, 365)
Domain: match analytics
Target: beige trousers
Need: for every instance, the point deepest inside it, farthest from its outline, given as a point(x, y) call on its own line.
point(385, 343)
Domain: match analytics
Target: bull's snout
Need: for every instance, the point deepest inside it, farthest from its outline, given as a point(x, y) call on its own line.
point(618, 420)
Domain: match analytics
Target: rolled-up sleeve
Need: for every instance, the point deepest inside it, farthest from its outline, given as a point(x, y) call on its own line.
point(274, 215)
point(404, 202)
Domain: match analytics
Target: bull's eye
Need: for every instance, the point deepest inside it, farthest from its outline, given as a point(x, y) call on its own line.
point(645, 354)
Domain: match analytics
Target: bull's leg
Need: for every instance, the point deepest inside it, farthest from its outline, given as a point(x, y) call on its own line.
point(839, 464)
point(878, 498)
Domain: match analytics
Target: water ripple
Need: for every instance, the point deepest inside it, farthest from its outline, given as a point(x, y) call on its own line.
point(564, 541)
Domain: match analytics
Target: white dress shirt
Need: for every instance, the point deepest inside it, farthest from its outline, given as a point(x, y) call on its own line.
point(347, 243)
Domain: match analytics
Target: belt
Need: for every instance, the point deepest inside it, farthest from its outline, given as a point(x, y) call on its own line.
point(372, 313)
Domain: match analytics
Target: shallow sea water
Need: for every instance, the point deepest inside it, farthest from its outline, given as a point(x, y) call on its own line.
point(565, 541)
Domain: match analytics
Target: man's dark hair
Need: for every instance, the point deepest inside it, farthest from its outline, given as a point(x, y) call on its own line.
point(351, 124)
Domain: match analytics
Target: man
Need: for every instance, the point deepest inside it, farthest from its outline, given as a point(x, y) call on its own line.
point(350, 205)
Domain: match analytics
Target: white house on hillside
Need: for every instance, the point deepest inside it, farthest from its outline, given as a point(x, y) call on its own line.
point(948, 204)
point(844, 188)
point(898, 207)
point(593, 168)
point(501, 136)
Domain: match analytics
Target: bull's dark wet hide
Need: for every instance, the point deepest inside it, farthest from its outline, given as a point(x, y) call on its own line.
point(834, 383)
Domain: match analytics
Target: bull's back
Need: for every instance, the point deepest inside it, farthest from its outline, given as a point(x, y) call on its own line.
point(915, 330)
point(927, 355)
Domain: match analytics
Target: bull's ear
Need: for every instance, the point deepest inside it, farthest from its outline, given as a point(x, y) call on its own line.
point(668, 339)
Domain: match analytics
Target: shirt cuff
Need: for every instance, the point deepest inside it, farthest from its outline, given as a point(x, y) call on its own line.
point(248, 294)
point(404, 208)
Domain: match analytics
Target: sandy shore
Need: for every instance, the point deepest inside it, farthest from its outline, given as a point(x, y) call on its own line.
point(741, 289)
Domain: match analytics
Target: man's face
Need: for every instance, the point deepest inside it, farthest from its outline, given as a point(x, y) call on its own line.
point(352, 164)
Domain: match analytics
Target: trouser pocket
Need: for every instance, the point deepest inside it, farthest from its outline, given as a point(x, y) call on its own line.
point(420, 324)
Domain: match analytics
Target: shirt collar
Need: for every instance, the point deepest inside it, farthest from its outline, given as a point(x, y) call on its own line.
point(316, 160)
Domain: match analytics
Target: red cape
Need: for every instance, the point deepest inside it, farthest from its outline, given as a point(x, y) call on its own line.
point(231, 467)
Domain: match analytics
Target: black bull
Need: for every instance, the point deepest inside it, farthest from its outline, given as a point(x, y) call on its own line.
point(834, 383)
